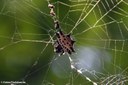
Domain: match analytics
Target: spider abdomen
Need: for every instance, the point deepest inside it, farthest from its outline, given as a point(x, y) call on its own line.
point(65, 43)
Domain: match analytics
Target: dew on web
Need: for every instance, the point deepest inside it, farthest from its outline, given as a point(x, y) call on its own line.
point(99, 27)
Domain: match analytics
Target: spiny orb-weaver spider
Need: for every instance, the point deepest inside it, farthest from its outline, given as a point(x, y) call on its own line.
point(64, 43)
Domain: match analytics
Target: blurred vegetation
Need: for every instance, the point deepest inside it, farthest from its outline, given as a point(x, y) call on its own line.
point(25, 24)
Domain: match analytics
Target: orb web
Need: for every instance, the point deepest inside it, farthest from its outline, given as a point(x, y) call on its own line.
point(99, 28)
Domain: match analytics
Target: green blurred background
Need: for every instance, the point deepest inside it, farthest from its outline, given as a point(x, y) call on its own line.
point(26, 28)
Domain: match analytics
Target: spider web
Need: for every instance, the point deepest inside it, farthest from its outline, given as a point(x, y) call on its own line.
point(99, 28)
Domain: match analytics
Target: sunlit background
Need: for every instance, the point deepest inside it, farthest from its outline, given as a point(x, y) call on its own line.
point(27, 34)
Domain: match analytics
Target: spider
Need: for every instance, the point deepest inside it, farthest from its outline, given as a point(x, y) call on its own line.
point(64, 43)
